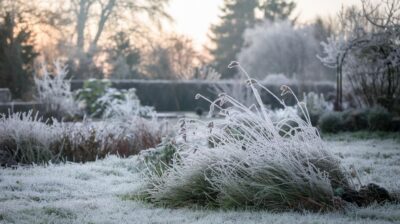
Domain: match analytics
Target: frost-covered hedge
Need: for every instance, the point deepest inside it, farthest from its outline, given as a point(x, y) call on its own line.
point(25, 139)
point(165, 95)
point(367, 119)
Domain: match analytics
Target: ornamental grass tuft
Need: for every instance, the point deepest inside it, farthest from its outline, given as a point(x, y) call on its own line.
point(245, 159)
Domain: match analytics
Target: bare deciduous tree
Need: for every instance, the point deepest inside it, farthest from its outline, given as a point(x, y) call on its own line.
point(87, 25)
point(173, 58)
point(368, 53)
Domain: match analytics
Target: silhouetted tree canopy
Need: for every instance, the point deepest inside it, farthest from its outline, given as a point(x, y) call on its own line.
point(17, 55)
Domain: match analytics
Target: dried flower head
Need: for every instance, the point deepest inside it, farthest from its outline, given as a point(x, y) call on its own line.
point(233, 64)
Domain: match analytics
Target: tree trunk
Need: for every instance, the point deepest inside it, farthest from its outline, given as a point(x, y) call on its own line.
point(82, 16)
point(105, 14)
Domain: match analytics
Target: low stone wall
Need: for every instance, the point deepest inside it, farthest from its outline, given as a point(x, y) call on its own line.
point(180, 95)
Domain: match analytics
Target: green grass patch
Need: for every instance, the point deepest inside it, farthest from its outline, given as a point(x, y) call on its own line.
point(133, 197)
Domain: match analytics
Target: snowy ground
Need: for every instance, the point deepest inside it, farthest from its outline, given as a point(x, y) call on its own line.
point(97, 193)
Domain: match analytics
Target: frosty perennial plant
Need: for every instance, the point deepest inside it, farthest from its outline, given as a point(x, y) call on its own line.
point(55, 90)
point(251, 160)
point(123, 104)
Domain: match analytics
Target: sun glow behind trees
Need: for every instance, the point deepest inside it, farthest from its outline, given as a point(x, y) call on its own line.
point(193, 18)
point(91, 52)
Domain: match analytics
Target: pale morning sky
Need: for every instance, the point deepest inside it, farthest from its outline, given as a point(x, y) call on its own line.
point(194, 17)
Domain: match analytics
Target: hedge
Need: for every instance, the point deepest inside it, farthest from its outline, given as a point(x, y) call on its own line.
point(167, 95)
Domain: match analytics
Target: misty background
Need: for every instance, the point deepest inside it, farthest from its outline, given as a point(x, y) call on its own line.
point(276, 41)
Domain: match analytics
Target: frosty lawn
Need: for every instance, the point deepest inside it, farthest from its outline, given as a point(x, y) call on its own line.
point(101, 192)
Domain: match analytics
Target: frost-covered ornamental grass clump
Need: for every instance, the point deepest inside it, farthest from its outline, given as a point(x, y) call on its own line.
point(250, 161)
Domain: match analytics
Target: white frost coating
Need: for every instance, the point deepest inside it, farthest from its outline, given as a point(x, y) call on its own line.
point(91, 193)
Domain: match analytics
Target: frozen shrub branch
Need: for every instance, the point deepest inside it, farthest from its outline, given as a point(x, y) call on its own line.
point(54, 89)
point(367, 53)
